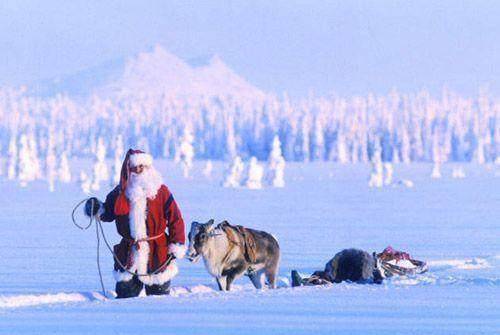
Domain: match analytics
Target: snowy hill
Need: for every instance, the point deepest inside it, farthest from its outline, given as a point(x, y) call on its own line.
point(159, 72)
point(156, 72)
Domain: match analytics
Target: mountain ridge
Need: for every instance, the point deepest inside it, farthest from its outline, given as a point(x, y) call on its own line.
point(154, 72)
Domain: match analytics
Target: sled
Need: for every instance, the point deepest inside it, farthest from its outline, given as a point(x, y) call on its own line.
point(389, 262)
point(394, 262)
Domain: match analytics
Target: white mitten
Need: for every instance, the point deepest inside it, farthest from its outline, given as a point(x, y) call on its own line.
point(177, 249)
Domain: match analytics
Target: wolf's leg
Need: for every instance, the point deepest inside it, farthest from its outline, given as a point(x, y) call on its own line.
point(271, 277)
point(229, 281)
point(222, 282)
point(271, 268)
point(257, 279)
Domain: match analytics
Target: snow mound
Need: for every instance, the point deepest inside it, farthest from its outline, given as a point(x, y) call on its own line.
point(201, 289)
point(462, 264)
point(43, 299)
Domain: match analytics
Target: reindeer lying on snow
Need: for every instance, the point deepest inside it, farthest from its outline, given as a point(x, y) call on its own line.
point(231, 251)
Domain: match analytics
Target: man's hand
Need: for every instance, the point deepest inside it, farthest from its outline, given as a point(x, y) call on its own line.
point(92, 206)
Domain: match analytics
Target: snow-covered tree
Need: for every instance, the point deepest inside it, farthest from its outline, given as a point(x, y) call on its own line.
point(303, 147)
point(231, 150)
point(318, 141)
point(479, 154)
point(276, 165)
point(36, 168)
point(334, 127)
point(436, 170)
point(117, 162)
point(436, 157)
point(100, 169)
point(388, 172)
point(51, 164)
point(234, 174)
point(186, 152)
point(64, 169)
point(254, 174)
point(166, 146)
point(405, 146)
point(12, 159)
point(377, 170)
point(342, 155)
point(85, 182)
point(29, 168)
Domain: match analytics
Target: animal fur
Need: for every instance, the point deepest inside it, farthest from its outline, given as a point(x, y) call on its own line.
point(226, 258)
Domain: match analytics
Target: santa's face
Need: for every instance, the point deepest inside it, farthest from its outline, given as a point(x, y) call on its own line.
point(138, 169)
point(144, 182)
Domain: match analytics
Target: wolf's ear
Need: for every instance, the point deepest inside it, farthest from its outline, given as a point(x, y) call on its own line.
point(209, 226)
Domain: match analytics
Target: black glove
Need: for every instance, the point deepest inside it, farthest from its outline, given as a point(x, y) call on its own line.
point(92, 206)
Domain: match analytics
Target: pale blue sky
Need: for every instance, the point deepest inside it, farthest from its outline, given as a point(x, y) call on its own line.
point(343, 46)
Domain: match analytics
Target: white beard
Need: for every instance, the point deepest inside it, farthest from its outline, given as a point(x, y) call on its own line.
point(143, 185)
point(140, 187)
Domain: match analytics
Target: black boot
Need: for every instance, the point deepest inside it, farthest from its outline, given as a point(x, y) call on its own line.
point(378, 274)
point(156, 289)
point(296, 279)
point(128, 289)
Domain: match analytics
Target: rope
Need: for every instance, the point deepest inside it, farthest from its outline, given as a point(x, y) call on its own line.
point(99, 232)
point(98, 256)
point(73, 215)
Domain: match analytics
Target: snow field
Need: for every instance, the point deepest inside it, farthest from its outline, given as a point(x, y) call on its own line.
point(50, 285)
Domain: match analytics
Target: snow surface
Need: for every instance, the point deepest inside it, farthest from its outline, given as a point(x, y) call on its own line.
point(50, 284)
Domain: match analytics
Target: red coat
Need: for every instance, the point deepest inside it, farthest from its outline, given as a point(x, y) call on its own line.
point(162, 214)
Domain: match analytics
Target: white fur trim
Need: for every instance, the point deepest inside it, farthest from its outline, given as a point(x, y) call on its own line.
point(141, 159)
point(122, 275)
point(177, 249)
point(137, 223)
point(160, 278)
point(138, 230)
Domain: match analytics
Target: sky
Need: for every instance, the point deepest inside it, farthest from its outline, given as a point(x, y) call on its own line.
point(347, 47)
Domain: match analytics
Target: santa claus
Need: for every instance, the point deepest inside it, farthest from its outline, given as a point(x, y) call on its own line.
point(150, 224)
